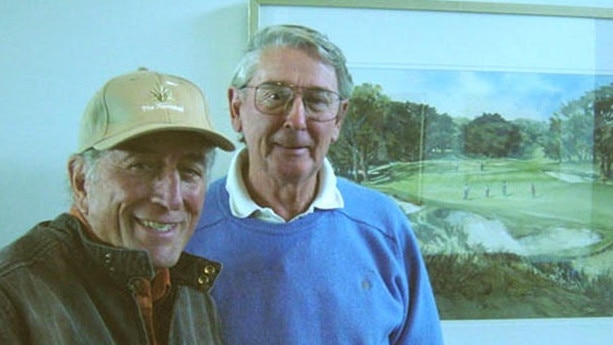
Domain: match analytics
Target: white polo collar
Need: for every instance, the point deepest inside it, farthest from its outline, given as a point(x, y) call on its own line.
point(242, 205)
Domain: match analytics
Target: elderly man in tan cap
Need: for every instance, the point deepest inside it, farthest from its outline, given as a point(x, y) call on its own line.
point(112, 270)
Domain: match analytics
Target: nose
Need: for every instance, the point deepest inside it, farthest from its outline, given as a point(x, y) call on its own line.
point(168, 190)
point(296, 117)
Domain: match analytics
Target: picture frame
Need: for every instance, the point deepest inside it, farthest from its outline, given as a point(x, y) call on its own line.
point(258, 6)
point(359, 28)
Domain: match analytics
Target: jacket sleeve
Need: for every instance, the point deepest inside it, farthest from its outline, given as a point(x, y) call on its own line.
point(13, 329)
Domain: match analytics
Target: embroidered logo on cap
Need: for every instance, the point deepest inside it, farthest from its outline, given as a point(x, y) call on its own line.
point(163, 96)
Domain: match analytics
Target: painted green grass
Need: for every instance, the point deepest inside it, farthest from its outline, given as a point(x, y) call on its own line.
point(556, 202)
point(504, 285)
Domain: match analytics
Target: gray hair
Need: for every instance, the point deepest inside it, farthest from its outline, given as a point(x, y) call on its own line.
point(90, 159)
point(297, 37)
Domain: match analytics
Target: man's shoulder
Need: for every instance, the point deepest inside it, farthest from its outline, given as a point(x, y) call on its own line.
point(354, 193)
point(372, 207)
point(40, 246)
point(215, 188)
point(215, 203)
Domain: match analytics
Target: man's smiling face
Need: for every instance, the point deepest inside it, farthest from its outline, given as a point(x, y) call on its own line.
point(147, 194)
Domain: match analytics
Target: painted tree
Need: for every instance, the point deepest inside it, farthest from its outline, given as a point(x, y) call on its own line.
point(441, 134)
point(362, 132)
point(576, 131)
point(603, 130)
point(403, 122)
point(533, 134)
point(490, 135)
point(552, 139)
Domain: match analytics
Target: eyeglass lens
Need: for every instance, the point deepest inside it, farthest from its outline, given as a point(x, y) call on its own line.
point(275, 99)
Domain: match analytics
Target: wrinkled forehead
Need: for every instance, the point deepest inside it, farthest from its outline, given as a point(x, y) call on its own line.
point(294, 66)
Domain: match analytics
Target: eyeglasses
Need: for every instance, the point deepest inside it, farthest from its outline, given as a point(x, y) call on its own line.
point(276, 98)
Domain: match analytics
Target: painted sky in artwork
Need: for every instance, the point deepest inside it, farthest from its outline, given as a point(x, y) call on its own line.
point(471, 93)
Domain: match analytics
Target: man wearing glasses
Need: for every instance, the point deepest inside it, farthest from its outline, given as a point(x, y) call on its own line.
point(309, 258)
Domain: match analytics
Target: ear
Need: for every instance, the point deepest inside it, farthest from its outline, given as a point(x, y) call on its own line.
point(235, 101)
point(76, 173)
point(338, 122)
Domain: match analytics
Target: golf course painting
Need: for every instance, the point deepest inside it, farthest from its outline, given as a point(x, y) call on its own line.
point(505, 177)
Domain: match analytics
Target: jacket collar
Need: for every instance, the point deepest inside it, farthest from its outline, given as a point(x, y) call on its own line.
point(123, 265)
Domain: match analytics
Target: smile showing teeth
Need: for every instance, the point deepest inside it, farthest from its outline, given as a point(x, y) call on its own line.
point(161, 227)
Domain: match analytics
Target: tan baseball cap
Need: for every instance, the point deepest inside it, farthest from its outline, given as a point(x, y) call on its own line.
point(144, 102)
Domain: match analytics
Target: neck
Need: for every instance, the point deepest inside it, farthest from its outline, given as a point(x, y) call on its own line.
point(287, 199)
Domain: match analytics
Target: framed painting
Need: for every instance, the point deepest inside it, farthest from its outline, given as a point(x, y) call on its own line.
point(491, 124)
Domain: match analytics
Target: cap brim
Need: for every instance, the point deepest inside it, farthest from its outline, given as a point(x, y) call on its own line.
point(213, 137)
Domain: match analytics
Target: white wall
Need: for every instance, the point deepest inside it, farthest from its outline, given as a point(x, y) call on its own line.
point(55, 54)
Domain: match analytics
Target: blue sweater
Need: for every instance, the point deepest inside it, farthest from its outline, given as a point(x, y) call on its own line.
point(346, 276)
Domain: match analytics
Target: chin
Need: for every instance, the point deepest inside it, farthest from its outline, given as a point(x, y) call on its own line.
point(296, 171)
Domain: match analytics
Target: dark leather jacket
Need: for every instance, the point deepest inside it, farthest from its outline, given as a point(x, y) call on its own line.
point(57, 287)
